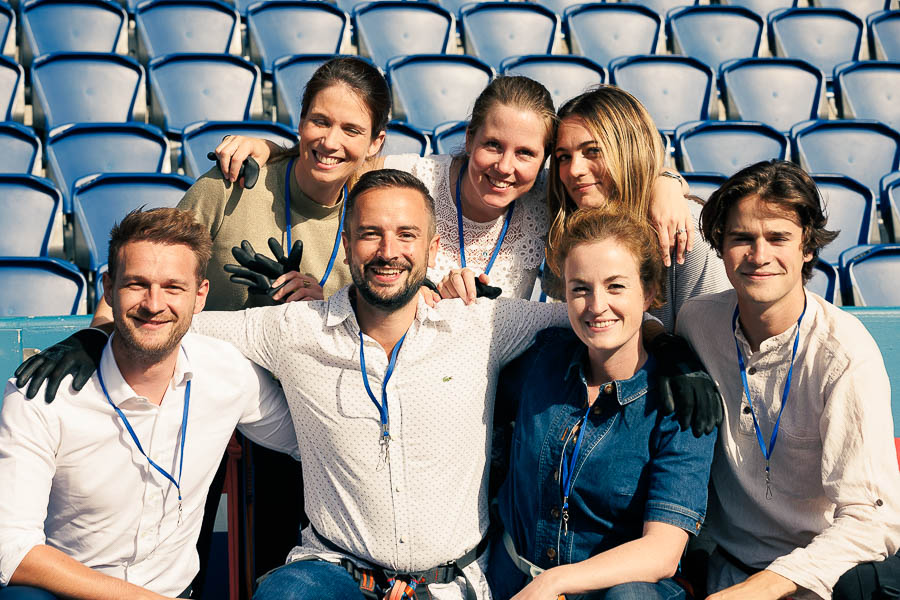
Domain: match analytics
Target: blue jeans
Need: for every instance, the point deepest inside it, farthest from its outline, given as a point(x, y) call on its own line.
point(308, 580)
point(24, 592)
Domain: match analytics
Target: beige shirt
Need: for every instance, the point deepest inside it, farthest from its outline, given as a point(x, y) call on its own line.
point(834, 477)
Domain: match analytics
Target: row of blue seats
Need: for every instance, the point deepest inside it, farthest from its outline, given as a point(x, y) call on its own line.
point(862, 275)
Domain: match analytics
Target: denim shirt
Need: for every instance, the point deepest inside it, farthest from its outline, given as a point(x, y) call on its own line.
point(634, 464)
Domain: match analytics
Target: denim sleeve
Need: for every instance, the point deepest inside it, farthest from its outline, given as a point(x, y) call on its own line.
point(679, 476)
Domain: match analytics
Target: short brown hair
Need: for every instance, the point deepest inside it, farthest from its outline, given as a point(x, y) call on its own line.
point(392, 178)
point(589, 225)
point(169, 226)
point(782, 185)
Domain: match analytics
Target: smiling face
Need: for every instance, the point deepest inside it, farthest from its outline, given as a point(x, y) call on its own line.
point(582, 170)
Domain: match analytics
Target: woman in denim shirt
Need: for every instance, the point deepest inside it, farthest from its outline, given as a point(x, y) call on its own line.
point(603, 491)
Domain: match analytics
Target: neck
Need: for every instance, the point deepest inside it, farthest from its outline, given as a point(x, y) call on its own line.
point(759, 322)
point(326, 194)
point(621, 363)
point(385, 327)
point(148, 378)
point(472, 208)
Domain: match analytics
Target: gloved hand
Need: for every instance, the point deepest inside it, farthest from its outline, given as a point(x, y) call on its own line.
point(483, 290)
point(257, 271)
point(77, 355)
point(685, 387)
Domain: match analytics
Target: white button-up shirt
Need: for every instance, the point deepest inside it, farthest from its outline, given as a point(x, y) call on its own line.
point(428, 505)
point(72, 477)
point(835, 483)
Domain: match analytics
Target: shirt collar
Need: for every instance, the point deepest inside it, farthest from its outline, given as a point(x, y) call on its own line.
point(785, 338)
point(626, 390)
point(118, 389)
point(340, 309)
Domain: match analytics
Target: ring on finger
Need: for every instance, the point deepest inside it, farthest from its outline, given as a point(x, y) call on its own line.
point(680, 231)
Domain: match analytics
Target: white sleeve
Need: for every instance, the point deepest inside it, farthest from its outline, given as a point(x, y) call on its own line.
point(516, 322)
point(267, 419)
point(255, 332)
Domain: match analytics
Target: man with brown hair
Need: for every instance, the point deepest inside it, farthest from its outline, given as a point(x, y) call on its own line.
point(104, 489)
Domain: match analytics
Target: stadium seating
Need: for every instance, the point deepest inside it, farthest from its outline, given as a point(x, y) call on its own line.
point(72, 26)
point(890, 204)
point(7, 30)
point(884, 35)
point(76, 151)
point(872, 275)
point(825, 281)
point(860, 8)
point(40, 287)
point(825, 37)
point(663, 6)
point(187, 88)
point(432, 89)
point(200, 138)
point(862, 150)
point(80, 87)
point(779, 92)
point(173, 26)
point(564, 76)
point(726, 146)
point(674, 89)
point(12, 90)
point(279, 28)
point(28, 207)
point(869, 90)
point(494, 31)
point(850, 207)
point(390, 28)
point(761, 7)
point(714, 34)
point(703, 184)
point(450, 137)
point(403, 139)
point(20, 149)
point(603, 32)
point(101, 201)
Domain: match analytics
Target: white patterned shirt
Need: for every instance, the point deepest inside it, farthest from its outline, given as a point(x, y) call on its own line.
point(428, 506)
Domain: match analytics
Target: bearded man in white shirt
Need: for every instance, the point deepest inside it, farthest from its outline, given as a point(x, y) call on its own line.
point(804, 483)
point(103, 490)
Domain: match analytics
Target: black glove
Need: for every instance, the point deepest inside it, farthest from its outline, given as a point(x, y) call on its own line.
point(257, 271)
point(78, 355)
point(249, 169)
point(483, 290)
point(685, 387)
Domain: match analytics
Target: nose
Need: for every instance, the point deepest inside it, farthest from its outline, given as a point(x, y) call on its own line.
point(597, 302)
point(505, 163)
point(153, 300)
point(577, 166)
point(759, 252)
point(331, 139)
point(387, 247)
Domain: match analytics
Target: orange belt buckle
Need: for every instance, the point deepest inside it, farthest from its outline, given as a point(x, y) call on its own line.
point(366, 580)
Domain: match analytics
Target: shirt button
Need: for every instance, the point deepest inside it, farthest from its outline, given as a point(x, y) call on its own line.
point(596, 410)
point(879, 502)
point(402, 539)
point(747, 409)
point(555, 475)
point(397, 489)
point(608, 388)
point(554, 512)
point(752, 370)
point(551, 553)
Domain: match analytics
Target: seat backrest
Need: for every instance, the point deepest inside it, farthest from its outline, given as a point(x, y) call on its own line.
point(873, 276)
point(290, 75)
point(674, 89)
point(726, 146)
point(39, 287)
point(188, 88)
point(603, 32)
point(432, 89)
point(172, 26)
point(779, 92)
point(403, 139)
point(714, 34)
point(860, 8)
point(28, 207)
point(392, 28)
point(664, 6)
point(20, 149)
point(450, 137)
point(7, 30)
point(494, 31)
point(72, 26)
point(704, 184)
point(201, 138)
point(825, 37)
point(75, 151)
point(850, 208)
point(279, 28)
point(762, 7)
point(890, 204)
point(83, 87)
point(564, 76)
point(869, 90)
point(12, 90)
point(824, 281)
point(884, 35)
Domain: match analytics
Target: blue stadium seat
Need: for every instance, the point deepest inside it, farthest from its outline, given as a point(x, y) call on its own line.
point(450, 137)
point(825, 281)
point(850, 207)
point(86, 87)
point(172, 26)
point(101, 201)
point(714, 34)
point(863, 150)
point(187, 88)
point(28, 207)
point(704, 184)
point(201, 138)
point(279, 28)
point(726, 146)
point(75, 151)
point(39, 287)
point(404, 139)
point(884, 35)
point(564, 75)
point(663, 6)
point(432, 89)
point(890, 204)
point(825, 37)
point(390, 28)
point(603, 32)
point(674, 89)
point(12, 90)
point(72, 26)
point(779, 92)
point(7, 30)
point(493, 31)
point(761, 7)
point(454, 6)
point(20, 149)
point(869, 90)
point(560, 6)
point(872, 276)
point(290, 74)
point(860, 8)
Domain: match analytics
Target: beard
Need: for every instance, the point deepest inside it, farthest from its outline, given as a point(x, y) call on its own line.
point(149, 349)
point(387, 300)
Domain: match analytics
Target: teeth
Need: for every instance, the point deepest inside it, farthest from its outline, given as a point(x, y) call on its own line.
point(327, 160)
point(499, 184)
point(601, 323)
point(387, 271)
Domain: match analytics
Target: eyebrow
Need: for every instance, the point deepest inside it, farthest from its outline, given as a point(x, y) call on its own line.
point(321, 115)
point(590, 142)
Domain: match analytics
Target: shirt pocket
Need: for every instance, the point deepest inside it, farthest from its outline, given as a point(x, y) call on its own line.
point(794, 448)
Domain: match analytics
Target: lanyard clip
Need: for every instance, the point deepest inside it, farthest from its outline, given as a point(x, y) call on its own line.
point(384, 442)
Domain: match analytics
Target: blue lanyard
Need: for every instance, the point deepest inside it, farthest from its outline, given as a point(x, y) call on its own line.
point(383, 405)
point(568, 468)
point(767, 452)
point(184, 418)
point(459, 225)
point(287, 219)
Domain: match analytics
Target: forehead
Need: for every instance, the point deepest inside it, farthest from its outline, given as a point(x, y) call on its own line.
point(340, 101)
point(391, 208)
point(573, 131)
point(601, 259)
point(518, 125)
point(754, 212)
point(153, 260)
